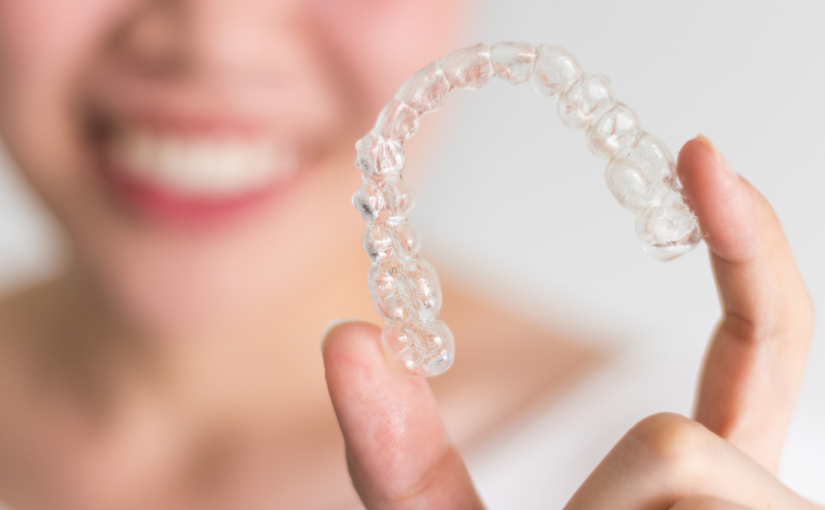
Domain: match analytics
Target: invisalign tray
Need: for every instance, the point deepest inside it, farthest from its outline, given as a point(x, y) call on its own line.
point(640, 173)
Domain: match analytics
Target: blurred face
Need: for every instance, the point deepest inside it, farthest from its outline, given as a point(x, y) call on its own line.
point(199, 151)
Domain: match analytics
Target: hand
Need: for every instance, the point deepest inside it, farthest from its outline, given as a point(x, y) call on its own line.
point(400, 456)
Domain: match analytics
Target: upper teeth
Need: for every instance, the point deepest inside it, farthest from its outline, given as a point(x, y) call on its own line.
point(201, 166)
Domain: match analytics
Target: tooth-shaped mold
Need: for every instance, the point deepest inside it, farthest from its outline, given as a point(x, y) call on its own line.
point(469, 68)
point(513, 62)
point(616, 129)
point(419, 349)
point(379, 157)
point(640, 173)
point(586, 101)
point(387, 284)
point(426, 91)
point(396, 122)
point(424, 296)
point(669, 230)
point(389, 199)
point(383, 241)
point(554, 71)
point(630, 186)
point(653, 158)
point(405, 289)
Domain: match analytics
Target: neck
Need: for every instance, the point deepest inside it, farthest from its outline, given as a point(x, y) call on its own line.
point(269, 351)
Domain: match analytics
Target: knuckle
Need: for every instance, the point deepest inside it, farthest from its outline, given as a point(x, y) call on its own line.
point(743, 328)
point(412, 489)
point(794, 318)
point(670, 443)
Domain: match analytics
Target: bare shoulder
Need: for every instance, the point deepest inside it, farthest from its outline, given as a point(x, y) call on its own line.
point(506, 364)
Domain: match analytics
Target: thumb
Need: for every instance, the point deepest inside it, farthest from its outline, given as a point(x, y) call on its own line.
point(398, 451)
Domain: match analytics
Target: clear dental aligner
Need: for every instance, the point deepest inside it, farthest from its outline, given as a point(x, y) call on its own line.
point(640, 173)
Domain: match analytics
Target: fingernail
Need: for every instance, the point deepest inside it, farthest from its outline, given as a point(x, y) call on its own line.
point(719, 157)
point(334, 323)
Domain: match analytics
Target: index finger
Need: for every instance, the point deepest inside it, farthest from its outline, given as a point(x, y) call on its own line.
point(757, 355)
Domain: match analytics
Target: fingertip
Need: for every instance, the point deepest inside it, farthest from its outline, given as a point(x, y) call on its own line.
point(334, 323)
point(728, 208)
point(395, 439)
point(344, 330)
point(700, 163)
point(711, 148)
point(359, 379)
point(350, 348)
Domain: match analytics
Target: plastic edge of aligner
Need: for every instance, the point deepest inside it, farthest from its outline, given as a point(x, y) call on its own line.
point(477, 50)
point(376, 131)
point(398, 96)
point(397, 172)
point(419, 370)
point(651, 250)
point(491, 73)
point(540, 87)
point(586, 127)
point(623, 151)
point(480, 49)
point(532, 63)
point(588, 133)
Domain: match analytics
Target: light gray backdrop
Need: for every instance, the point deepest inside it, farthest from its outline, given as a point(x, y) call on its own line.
point(516, 206)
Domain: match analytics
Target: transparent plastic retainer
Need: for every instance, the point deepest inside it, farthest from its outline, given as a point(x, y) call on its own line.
point(639, 172)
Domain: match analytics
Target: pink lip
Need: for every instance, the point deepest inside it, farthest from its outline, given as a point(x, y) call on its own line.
point(195, 124)
point(162, 205)
point(168, 207)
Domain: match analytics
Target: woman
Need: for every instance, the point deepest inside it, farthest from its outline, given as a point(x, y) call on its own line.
point(199, 153)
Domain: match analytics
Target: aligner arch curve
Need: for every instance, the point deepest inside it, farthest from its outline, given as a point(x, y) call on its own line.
point(639, 172)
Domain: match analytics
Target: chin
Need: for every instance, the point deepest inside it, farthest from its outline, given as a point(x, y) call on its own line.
point(166, 281)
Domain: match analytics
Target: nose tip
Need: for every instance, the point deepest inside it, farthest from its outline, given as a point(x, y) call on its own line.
point(225, 35)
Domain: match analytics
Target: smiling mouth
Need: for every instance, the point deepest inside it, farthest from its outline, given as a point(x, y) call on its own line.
point(174, 172)
point(199, 167)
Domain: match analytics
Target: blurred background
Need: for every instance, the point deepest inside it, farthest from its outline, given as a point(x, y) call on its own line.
point(514, 205)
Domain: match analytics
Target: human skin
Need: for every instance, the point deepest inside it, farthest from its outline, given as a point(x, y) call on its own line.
point(301, 75)
point(187, 332)
point(174, 364)
point(400, 457)
point(169, 277)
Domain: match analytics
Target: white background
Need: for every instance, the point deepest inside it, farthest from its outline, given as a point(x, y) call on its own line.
point(515, 205)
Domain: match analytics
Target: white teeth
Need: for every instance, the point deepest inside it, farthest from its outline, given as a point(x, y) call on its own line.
point(201, 166)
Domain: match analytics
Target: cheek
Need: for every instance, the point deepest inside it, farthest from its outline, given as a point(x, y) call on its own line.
point(39, 38)
point(382, 43)
point(44, 45)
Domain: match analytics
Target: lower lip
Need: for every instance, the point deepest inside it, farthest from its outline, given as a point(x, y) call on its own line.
point(171, 207)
